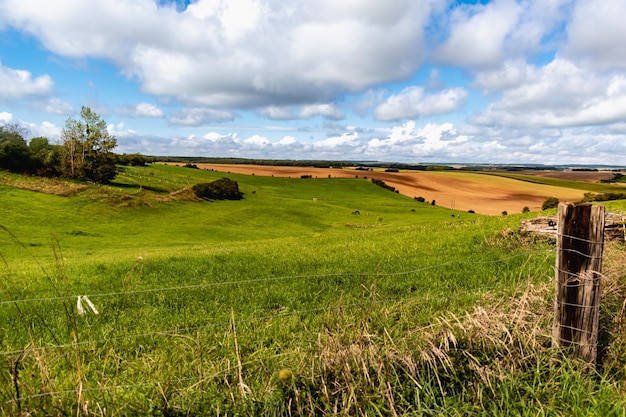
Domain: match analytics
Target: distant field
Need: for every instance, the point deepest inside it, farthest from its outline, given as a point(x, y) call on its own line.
point(589, 176)
point(458, 190)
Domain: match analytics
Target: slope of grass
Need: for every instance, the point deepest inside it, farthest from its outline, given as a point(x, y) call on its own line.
point(202, 304)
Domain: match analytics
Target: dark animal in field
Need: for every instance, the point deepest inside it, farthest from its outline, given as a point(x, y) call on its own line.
point(356, 212)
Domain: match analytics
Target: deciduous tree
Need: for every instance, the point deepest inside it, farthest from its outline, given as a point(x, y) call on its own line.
point(88, 147)
point(14, 153)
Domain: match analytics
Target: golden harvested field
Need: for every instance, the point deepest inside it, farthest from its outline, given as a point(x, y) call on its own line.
point(463, 191)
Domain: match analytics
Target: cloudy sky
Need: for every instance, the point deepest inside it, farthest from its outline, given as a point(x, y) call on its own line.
point(500, 81)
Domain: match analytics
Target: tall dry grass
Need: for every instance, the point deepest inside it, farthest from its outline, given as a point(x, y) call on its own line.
point(495, 359)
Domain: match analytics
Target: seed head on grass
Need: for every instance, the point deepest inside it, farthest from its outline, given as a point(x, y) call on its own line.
point(285, 375)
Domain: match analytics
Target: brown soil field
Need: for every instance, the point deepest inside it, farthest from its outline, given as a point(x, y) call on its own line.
point(587, 176)
point(485, 194)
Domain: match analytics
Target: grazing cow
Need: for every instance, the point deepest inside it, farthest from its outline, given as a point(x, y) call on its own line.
point(356, 212)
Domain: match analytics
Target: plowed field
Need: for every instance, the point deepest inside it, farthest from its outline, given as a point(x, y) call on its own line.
point(464, 191)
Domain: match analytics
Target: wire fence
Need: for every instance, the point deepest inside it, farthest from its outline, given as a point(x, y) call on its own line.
point(178, 331)
point(262, 280)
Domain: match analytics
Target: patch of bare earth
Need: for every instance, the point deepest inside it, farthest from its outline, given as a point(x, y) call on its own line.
point(458, 190)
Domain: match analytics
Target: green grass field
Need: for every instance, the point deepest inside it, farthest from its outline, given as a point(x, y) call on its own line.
point(283, 303)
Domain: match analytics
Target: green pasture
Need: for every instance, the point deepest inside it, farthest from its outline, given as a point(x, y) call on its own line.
point(202, 303)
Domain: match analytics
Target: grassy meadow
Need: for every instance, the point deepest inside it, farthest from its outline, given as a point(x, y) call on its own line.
point(283, 303)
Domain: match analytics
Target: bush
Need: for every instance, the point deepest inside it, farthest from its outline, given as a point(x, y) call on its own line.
point(591, 197)
point(382, 184)
point(420, 199)
point(222, 189)
point(525, 210)
point(551, 202)
point(135, 160)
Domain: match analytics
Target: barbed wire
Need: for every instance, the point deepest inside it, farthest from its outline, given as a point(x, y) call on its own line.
point(178, 331)
point(561, 303)
point(186, 330)
point(579, 253)
point(595, 278)
point(268, 279)
point(226, 323)
point(580, 239)
point(565, 326)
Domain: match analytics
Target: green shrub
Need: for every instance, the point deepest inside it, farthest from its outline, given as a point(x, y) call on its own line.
point(551, 202)
point(222, 189)
point(382, 184)
point(591, 197)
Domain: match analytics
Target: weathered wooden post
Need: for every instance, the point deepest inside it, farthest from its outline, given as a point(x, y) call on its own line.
point(578, 269)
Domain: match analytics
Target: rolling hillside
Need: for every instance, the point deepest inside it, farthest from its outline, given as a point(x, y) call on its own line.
point(136, 298)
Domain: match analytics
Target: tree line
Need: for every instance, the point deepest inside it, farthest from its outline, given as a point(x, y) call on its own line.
point(85, 151)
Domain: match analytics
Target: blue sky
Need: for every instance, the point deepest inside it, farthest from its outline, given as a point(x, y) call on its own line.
point(501, 81)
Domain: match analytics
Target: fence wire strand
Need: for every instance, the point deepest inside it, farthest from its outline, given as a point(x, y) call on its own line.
point(259, 280)
point(186, 330)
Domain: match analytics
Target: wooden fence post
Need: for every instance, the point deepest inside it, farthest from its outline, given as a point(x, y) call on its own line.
point(580, 243)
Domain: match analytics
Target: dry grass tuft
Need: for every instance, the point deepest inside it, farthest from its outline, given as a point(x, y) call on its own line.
point(184, 194)
point(53, 186)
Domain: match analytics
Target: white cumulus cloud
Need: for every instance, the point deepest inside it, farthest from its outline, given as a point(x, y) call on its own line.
point(478, 34)
point(200, 116)
point(327, 110)
point(237, 53)
point(17, 84)
point(276, 112)
point(560, 94)
point(596, 34)
point(5, 117)
point(54, 106)
point(414, 102)
point(147, 110)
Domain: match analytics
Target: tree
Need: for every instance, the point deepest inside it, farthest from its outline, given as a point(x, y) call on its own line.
point(14, 153)
point(45, 157)
point(134, 159)
point(87, 148)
